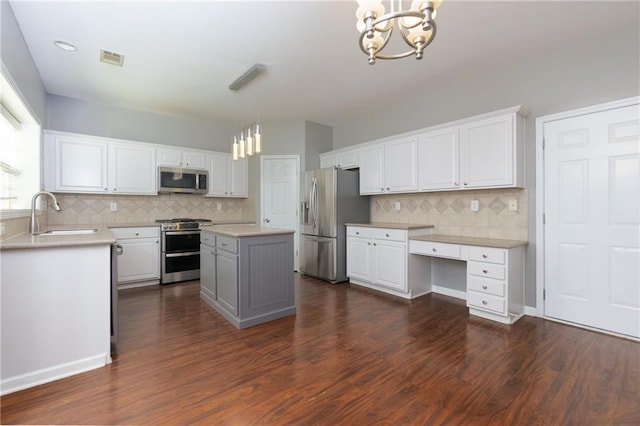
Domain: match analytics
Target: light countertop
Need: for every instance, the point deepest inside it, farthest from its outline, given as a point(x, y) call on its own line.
point(27, 241)
point(405, 226)
point(238, 231)
point(470, 241)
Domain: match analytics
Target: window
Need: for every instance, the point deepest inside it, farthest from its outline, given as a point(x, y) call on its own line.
point(19, 153)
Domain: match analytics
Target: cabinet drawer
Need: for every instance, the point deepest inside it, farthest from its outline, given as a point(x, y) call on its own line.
point(490, 270)
point(228, 244)
point(356, 231)
point(485, 285)
point(146, 232)
point(487, 254)
point(207, 238)
point(428, 248)
point(389, 234)
point(485, 302)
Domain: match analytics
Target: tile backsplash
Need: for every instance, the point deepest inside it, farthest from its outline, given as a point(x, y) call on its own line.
point(450, 212)
point(96, 209)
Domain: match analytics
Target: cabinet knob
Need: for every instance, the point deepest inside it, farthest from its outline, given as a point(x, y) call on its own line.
point(105, 189)
point(484, 286)
point(484, 256)
point(456, 183)
point(357, 233)
point(388, 189)
point(465, 183)
point(137, 234)
point(374, 244)
point(434, 250)
point(484, 271)
point(381, 189)
point(224, 244)
point(484, 302)
point(368, 244)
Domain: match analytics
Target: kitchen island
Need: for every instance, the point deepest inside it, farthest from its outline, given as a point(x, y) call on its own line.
point(246, 273)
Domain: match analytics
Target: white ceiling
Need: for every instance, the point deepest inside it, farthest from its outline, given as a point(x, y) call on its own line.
point(180, 57)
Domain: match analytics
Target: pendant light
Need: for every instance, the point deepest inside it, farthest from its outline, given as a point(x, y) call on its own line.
point(253, 142)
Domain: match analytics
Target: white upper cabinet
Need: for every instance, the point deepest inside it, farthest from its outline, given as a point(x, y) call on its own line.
point(227, 177)
point(389, 167)
point(176, 157)
point(86, 164)
point(341, 159)
point(438, 159)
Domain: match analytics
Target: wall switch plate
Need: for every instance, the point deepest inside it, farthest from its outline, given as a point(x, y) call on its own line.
point(113, 207)
point(1, 229)
point(219, 206)
point(397, 205)
point(513, 205)
point(474, 206)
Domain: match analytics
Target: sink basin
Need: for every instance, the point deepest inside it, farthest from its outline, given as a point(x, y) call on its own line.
point(69, 232)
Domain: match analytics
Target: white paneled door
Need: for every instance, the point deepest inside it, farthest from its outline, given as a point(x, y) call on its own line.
point(592, 214)
point(279, 205)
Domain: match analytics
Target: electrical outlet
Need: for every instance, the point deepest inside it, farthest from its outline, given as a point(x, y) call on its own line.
point(113, 206)
point(474, 206)
point(397, 205)
point(1, 229)
point(219, 206)
point(513, 205)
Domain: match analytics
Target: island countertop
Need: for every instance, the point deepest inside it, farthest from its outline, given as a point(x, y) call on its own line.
point(102, 236)
point(239, 231)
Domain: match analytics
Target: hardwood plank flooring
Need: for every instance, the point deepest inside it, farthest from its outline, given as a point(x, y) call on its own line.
point(349, 356)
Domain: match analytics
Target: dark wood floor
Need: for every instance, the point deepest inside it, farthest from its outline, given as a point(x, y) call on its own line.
point(349, 356)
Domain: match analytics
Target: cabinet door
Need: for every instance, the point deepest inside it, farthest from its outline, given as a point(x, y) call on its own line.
point(401, 165)
point(438, 160)
point(372, 170)
point(227, 281)
point(487, 153)
point(194, 160)
point(139, 261)
point(169, 157)
point(217, 167)
point(237, 180)
point(359, 258)
point(328, 161)
point(208, 271)
point(389, 264)
point(132, 169)
point(348, 160)
point(79, 165)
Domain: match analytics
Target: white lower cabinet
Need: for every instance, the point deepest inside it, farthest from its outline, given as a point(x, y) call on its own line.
point(139, 256)
point(377, 258)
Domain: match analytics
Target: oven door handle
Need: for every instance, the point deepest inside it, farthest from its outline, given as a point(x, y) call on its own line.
point(190, 253)
point(181, 232)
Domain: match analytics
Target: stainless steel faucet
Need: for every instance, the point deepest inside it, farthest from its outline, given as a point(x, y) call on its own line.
point(34, 226)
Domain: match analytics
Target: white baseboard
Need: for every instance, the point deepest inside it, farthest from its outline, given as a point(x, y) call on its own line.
point(46, 375)
point(531, 311)
point(449, 292)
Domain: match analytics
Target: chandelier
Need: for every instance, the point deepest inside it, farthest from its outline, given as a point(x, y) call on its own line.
point(250, 139)
point(416, 25)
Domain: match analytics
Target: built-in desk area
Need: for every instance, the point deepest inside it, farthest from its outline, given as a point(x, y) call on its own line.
point(495, 271)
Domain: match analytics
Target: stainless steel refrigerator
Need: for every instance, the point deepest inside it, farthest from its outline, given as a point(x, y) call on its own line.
point(330, 199)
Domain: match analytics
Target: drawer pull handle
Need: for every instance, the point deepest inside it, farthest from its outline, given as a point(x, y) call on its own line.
point(434, 249)
point(484, 302)
point(224, 244)
point(484, 256)
point(386, 235)
point(484, 286)
point(368, 244)
point(374, 244)
point(357, 233)
point(484, 271)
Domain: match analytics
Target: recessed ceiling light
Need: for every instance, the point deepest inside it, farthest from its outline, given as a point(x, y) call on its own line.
point(65, 45)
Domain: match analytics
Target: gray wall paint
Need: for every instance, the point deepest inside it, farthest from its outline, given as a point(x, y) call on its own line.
point(92, 118)
point(18, 65)
point(319, 138)
point(603, 69)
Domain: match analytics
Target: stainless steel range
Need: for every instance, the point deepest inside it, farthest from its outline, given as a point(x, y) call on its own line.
point(180, 249)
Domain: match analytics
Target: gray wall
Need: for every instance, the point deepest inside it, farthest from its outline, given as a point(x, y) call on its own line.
point(18, 66)
point(92, 118)
point(602, 69)
point(318, 139)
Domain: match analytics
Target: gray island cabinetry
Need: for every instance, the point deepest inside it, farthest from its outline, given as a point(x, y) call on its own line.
point(246, 273)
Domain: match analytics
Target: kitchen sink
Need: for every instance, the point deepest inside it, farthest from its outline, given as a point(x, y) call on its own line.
point(69, 232)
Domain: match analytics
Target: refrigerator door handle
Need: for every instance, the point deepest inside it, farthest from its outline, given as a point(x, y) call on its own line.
point(314, 198)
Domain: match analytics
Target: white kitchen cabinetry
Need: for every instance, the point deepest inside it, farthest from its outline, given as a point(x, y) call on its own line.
point(176, 157)
point(494, 279)
point(227, 177)
point(139, 256)
point(485, 153)
point(377, 258)
point(87, 164)
point(390, 167)
point(341, 159)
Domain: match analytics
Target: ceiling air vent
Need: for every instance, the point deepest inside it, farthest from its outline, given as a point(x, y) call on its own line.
point(112, 58)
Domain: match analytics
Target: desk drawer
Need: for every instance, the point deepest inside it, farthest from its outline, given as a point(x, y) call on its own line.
point(486, 302)
point(140, 232)
point(489, 270)
point(389, 234)
point(228, 244)
point(428, 248)
point(485, 285)
point(487, 254)
point(356, 231)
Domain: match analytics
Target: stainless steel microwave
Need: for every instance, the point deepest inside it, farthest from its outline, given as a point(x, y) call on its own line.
point(188, 181)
